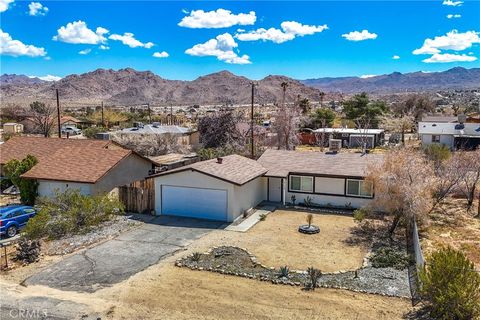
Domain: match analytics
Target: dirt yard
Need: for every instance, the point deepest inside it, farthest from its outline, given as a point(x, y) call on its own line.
point(451, 225)
point(167, 292)
point(276, 242)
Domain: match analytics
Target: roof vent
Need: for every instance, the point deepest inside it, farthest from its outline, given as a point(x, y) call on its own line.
point(219, 160)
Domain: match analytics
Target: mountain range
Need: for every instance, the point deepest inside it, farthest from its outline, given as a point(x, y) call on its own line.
point(131, 87)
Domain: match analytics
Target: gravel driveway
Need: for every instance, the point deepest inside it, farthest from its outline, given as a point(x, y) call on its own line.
point(118, 259)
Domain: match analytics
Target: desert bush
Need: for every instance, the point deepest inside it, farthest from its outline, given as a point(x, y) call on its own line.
point(262, 217)
point(313, 276)
point(360, 214)
point(308, 202)
point(437, 153)
point(28, 251)
point(70, 213)
point(284, 272)
point(28, 187)
point(450, 286)
point(196, 256)
point(387, 257)
point(91, 132)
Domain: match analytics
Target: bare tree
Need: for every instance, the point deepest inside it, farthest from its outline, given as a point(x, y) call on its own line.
point(151, 144)
point(468, 167)
point(404, 182)
point(42, 116)
point(286, 124)
point(399, 124)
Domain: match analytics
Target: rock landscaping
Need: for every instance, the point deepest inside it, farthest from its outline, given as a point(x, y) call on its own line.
point(239, 262)
point(106, 230)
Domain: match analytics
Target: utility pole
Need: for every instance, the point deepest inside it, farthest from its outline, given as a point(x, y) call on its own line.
point(149, 113)
point(58, 116)
point(251, 123)
point(103, 118)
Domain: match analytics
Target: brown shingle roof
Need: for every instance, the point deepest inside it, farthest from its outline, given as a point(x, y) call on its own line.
point(19, 147)
point(281, 162)
point(234, 168)
point(77, 164)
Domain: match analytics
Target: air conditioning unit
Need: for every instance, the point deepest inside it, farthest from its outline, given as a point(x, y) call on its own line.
point(334, 145)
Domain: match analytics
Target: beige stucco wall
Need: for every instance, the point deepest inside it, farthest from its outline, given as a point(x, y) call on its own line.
point(48, 188)
point(239, 198)
point(249, 195)
point(130, 169)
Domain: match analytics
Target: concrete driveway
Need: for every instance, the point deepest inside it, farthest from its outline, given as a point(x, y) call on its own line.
point(118, 259)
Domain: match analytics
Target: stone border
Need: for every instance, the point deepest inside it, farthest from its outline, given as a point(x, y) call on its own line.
point(183, 262)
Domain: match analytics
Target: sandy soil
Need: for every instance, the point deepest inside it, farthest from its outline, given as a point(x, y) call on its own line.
point(276, 242)
point(451, 225)
point(167, 292)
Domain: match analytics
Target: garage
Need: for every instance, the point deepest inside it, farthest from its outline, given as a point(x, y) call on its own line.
point(202, 203)
point(221, 189)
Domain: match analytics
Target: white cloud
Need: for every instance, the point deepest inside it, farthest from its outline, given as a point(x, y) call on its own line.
point(128, 39)
point(220, 18)
point(290, 30)
point(163, 54)
point(37, 9)
point(77, 32)
point(448, 57)
point(85, 51)
point(48, 77)
point(359, 35)
point(4, 5)
point(16, 48)
point(454, 16)
point(221, 47)
point(366, 76)
point(396, 57)
point(104, 47)
point(453, 40)
point(452, 3)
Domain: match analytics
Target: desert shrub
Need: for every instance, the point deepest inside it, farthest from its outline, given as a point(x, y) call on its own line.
point(196, 256)
point(262, 217)
point(313, 276)
point(70, 213)
point(28, 251)
point(91, 132)
point(284, 272)
point(360, 214)
point(437, 152)
point(387, 257)
point(450, 286)
point(28, 187)
point(308, 202)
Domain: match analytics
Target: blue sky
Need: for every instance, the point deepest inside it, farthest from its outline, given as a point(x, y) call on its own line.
point(304, 39)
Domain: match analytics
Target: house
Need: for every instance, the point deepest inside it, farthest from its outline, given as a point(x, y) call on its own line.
point(91, 166)
point(184, 135)
point(224, 188)
point(12, 128)
point(352, 138)
point(455, 135)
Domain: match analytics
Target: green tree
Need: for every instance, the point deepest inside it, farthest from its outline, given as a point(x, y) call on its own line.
point(321, 117)
point(28, 187)
point(437, 153)
point(451, 286)
point(363, 111)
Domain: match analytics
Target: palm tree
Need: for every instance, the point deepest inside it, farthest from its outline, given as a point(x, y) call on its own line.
point(284, 86)
point(322, 94)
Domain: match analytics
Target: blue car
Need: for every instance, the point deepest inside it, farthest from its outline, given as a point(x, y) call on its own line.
point(13, 218)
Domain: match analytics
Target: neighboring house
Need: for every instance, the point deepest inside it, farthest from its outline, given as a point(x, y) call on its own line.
point(352, 138)
point(454, 135)
point(12, 128)
point(185, 136)
point(91, 166)
point(223, 189)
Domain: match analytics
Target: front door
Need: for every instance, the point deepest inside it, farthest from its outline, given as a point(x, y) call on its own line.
point(275, 189)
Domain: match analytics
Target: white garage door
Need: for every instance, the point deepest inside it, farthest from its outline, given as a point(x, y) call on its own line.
point(194, 202)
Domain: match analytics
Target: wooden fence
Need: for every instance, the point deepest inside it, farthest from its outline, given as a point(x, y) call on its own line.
point(139, 196)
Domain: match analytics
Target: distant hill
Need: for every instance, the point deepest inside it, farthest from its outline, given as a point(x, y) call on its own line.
point(18, 79)
point(128, 86)
point(455, 78)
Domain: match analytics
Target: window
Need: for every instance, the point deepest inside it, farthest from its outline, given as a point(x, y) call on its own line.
point(301, 183)
point(435, 138)
point(359, 188)
point(17, 213)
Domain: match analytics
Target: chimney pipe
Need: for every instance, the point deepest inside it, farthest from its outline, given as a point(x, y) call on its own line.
point(219, 160)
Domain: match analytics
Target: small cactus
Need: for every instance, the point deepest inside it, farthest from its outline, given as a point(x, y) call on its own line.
point(284, 272)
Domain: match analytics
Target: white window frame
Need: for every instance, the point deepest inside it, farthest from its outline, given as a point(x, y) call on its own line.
point(434, 140)
point(301, 177)
point(360, 183)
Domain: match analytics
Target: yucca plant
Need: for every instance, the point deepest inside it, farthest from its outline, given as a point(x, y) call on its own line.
point(196, 256)
point(313, 275)
point(284, 272)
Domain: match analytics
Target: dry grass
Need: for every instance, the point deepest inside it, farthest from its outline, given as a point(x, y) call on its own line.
point(451, 225)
